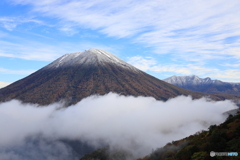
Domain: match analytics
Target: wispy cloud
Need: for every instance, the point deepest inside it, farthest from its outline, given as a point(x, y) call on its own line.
point(232, 65)
point(193, 35)
point(10, 23)
point(4, 84)
point(42, 51)
point(232, 75)
point(150, 64)
point(69, 31)
point(29, 50)
point(137, 124)
point(142, 63)
point(20, 72)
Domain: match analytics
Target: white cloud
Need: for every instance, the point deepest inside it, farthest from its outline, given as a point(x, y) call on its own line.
point(4, 84)
point(232, 50)
point(69, 30)
point(189, 32)
point(231, 75)
point(10, 23)
point(232, 65)
point(41, 51)
point(142, 63)
point(150, 64)
point(29, 50)
point(137, 124)
point(21, 72)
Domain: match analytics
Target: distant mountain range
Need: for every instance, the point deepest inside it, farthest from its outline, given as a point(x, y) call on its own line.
point(206, 85)
point(75, 76)
point(221, 138)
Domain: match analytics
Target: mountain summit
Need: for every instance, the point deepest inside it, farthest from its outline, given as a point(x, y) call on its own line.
point(206, 85)
point(91, 57)
point(75, 76)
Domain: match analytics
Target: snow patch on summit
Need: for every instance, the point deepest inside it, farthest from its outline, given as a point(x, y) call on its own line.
point(89, 58)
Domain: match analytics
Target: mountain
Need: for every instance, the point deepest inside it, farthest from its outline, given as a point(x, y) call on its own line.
point(206, 85)
point(75, 76)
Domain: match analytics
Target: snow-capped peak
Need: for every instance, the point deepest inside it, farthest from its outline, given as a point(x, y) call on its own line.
point(89, 57)
point(187, 80)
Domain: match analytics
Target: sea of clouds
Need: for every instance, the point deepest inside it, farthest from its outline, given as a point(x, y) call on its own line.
point(137, 124)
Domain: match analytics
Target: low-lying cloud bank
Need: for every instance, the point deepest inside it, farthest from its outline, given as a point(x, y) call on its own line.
point(136, 124)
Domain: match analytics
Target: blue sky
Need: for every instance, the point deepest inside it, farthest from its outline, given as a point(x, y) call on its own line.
point(161, 37)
